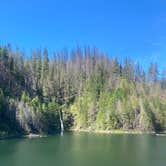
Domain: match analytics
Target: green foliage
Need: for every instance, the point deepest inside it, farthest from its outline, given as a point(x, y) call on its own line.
point(36, 103)
point(53, 106)
point(92, 91)
point(1, 100)
point(25, 97)
point(146, 116)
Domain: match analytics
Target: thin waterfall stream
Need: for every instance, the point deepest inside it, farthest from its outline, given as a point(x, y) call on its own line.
point(61, 121)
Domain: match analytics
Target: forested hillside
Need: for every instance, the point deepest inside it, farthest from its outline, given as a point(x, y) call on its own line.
point(93, 91)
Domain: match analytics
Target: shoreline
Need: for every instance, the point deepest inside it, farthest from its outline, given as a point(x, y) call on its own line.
point(113, 131)
point(32, 135)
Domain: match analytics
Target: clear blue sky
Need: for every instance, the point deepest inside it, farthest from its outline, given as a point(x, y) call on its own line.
point(119, 27)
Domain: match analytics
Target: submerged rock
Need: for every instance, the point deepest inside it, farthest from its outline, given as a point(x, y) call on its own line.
point(162, 134)
point(31, 135)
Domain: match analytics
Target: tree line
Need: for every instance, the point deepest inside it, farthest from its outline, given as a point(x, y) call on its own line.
point(93, 90)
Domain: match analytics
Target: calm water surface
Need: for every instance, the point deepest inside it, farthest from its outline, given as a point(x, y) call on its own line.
point(85, 149)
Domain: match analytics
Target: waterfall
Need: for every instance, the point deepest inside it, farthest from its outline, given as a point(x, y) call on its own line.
point(61, 121)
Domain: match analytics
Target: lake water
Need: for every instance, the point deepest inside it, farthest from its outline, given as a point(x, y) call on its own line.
point(85, 149)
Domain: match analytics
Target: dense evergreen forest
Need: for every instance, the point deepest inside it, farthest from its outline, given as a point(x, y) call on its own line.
point(93, 91)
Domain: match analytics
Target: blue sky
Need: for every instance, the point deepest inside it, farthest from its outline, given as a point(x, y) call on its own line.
point(118, 27)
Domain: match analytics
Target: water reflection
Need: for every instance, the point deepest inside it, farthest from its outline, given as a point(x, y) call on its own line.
point(82, 149)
